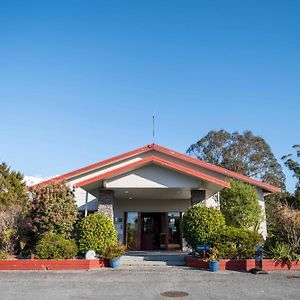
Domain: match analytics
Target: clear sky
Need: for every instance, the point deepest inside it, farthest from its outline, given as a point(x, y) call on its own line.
point(80, 80)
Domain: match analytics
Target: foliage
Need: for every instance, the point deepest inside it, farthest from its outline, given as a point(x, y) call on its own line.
point(55, 246)
point(3, 255)
point(96, 232)
point(244, 153)
point(286, 228)
point(113, 251)
point(240, 206)
point(282, 252)
point(53, 209)
point(214, 254)
point(13, 229)
point(12, 188)
point(236, 243)
point(294, 165)
point(200, 224)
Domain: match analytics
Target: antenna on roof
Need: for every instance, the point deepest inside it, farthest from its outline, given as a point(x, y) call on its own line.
point(153, 128)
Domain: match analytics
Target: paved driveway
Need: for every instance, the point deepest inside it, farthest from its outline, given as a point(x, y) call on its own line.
point(147, 283)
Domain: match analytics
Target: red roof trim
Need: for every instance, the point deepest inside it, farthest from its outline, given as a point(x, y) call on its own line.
point(172, 153)
point(218, 169)
point(156, 160)
point(98, 164)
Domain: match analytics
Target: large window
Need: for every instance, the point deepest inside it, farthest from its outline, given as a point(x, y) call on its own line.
point(132, 230)
point(174, 230)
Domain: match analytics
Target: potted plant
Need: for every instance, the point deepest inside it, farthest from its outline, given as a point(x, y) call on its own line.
point(213, 259)
point(113, 253)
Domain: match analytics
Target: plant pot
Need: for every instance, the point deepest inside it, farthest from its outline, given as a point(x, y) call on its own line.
point(115, 263)
point(213, 266)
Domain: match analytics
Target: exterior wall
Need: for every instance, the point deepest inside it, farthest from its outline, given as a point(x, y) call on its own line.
point(153, 176)
point(263, 224)
point(103, 169)
point(80, 197)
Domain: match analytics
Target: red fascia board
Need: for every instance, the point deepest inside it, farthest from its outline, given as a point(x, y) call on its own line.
point(155, 160)
point(169, 152)
point(215, 168)
point(98, 165)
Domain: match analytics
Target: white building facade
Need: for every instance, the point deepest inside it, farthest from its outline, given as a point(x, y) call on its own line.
point(146, 191)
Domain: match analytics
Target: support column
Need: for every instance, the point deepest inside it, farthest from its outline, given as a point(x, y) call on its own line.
point(263, 225)
point(197, 197)
point(106, 203)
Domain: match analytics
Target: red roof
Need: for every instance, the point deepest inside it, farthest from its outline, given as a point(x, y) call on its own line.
point(155, 160)
point(147, 148)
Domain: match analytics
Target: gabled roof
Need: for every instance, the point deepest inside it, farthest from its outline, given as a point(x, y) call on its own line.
point(169, 152)
point(152, 160)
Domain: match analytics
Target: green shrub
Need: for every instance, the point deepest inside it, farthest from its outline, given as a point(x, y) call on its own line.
point(113, 251)
point(278, 250)
point(55, 246)
point(236, 243)
point(240, 206)
point(96, 232)
point(3, 255)
point(53, 208)
point(282, 252)
point(201, 224)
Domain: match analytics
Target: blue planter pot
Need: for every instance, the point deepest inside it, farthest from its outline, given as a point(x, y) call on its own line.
point(115, 263)
point(213, 266)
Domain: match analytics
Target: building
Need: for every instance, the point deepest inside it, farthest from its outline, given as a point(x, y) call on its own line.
point(145, 192)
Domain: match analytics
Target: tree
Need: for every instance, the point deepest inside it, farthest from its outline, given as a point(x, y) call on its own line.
point(53, 208)
point(12, 188)
point(14, 203)
point(245, 153)
point(240, 206)
point(13, 229)
point(201, 224)
point(293, 165)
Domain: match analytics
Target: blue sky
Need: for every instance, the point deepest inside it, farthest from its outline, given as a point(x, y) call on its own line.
point(80, 80)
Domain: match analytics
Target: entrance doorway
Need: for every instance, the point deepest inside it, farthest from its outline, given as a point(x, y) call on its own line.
point(152, 231)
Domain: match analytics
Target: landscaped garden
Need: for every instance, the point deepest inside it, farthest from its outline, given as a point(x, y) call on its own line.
point(231, 233)
point(43, 223)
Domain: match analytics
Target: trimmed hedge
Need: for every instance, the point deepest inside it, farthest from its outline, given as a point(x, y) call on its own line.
point(201, 224)
point(236, 243)
point(55, 246)
point(96, 232)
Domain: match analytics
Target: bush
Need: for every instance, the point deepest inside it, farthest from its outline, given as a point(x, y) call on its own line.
point(3, 255)
point(96, 232)
point(237, 243)
point(13, 228)
point(201, 224)
point(240, 206)
point(113, 251)
point(53, 209)
point(282, 252)
point(55, 246)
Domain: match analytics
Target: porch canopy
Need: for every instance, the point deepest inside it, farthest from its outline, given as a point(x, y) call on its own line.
point(152, 178)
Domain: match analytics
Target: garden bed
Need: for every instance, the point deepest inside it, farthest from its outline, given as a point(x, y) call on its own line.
point(244, 264)
point(225, 264)
point(51, 264)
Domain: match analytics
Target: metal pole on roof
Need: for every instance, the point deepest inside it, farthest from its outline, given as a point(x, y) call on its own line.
point(153, 128)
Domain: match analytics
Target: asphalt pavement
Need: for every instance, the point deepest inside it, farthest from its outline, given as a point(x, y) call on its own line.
point(147, 283)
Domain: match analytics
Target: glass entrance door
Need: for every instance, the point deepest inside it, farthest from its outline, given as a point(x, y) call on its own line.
point(174, 233)
point(132, 228)
point(151, 229)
